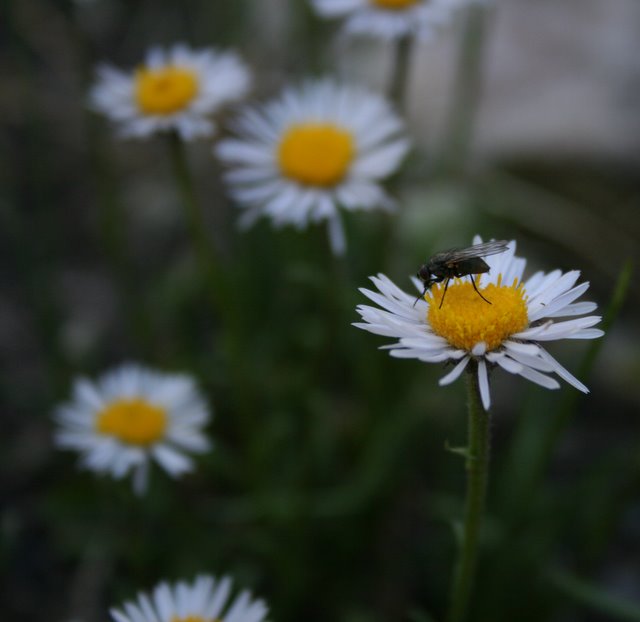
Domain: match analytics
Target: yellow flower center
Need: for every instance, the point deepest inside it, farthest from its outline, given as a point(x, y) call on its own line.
point(318, 154)
point(465, 319)
point(166, 90)
point(396, 5)
point(133, 420)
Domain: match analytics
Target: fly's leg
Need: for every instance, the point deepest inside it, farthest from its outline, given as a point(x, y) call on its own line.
point(446, 285)
point(477, 291)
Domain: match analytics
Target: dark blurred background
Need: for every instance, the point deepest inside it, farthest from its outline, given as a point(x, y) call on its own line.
point(329, 492)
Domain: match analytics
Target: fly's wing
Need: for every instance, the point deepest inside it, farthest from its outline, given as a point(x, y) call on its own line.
point(478, 250)
point(460, 261)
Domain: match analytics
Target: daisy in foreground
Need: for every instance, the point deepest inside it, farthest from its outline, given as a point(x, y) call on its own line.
point(389, 19)
point(465, 328)
point(315, 148)
point(174, 89)
point(205, 600)
point(130, 416)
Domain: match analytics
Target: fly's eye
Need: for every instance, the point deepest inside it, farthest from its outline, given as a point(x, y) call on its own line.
point(424, 274)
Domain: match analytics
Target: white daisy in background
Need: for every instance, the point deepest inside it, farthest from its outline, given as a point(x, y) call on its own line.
point(321, 146)
point(205, 600)
point(506, 333)
point(131, 416)
point(389, 19)
point(174, 89)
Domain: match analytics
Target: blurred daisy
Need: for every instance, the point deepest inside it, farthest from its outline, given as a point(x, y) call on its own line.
point(205, 600)
point(506, 333)
point(323, 145)
point(389, 19)
point(130, 416)
point(175, 89)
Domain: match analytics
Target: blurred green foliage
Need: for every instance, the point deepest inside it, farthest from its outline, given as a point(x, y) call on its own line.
point(329, 492)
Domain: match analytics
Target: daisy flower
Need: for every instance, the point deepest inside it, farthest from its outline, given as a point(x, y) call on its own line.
point(175, 89)
point(205, 600)
point(388, 19)
point(296, 159)
point(506, 333)
point(130, 416)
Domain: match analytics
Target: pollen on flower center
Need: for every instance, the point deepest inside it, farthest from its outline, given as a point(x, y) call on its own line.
point(317, 154)
point(394, 4)
point(166, 90)
point(465, 319)
point(132, 420)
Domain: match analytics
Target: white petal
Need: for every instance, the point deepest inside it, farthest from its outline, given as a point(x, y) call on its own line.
point(237, 151)
point(558, 303)
point(147, 609)
point(540, 281)
point(555, 288)
point(483, 382)
point(426, 357)
point(528, 360)
point(141, 478)
point(396, 306)
point(505, 362)
point(563, 373)
point(539, 378)
point(256, 612)
point(335, 8)
point(235, 613)
point(260, 193)
point(118, 616)
point(164, 602)
point(133, 612)
point(218, 599)
point(550, 331)
point(589, 333)
point(577, 308)
point(518, 346)
point(200, 593)
point(171, 460)
point(425, 342)
point(455, 373)
point(336, 235)
point(377, 329)
point(381, 162)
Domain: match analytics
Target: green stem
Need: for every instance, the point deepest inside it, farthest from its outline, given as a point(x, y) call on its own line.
point(477, 465)
point(400, 72)
point(219, 288)
point(193, 214)
point(397, 93)
point(466, 91)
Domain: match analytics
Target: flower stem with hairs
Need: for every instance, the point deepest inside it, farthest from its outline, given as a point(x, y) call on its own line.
point(477, 465)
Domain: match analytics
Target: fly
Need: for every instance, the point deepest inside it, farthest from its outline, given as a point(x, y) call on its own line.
point(458, 262)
